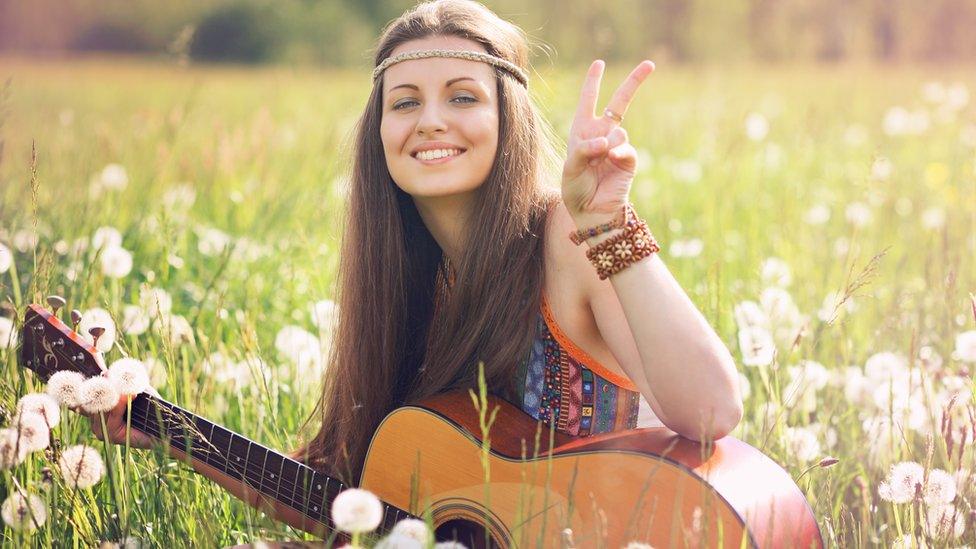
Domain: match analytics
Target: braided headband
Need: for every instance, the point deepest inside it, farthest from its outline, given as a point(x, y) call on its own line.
point(512, 68)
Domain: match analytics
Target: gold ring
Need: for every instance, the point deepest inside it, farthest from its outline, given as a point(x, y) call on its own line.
point(610, 114)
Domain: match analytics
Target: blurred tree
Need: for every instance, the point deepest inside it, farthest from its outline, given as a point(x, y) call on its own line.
point(247, 32)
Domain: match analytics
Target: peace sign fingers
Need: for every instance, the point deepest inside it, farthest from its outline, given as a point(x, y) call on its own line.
point(625, 92)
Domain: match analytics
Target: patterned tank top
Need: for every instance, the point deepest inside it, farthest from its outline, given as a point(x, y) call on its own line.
point(560, 382)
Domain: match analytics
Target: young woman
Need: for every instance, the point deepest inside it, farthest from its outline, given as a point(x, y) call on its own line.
point(457, 250)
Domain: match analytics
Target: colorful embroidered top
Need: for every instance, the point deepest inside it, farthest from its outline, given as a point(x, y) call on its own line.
point(563, 382)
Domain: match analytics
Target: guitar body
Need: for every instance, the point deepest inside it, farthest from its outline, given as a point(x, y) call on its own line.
point(647, 485)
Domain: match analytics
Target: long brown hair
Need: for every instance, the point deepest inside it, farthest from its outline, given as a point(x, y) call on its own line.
point(388, 349)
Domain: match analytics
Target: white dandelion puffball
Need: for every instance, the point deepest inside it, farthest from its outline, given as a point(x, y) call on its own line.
point(412, 528)
point(818, 214)
point(965, 346)
point(24, 513)
point(8, 335)
point(638, 545)
point(6, 258)
point(155, 301)
point(12, 450)
point(33, 431)
point(756, 345)
point(63, 387)
point(106, 237)
point(42, 404)
point(175, 328)
point(81, 466)
point(325, 314)
point(129, 376)
point(93, 317)
point(450, 545)
point(116, 262)
point(98, 394)
point(757, 126)
point(900, 485)
point(944, 522)
point(775, 272)
point(399, 541)
point(114, 177)
point(135, 320)
point(940, 488)
point(356, 510)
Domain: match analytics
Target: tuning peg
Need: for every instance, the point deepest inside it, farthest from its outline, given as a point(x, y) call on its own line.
point(75, 319)
point(96, 333)
point(56, 302)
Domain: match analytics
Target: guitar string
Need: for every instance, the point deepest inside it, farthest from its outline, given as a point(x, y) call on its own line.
point(288, 495)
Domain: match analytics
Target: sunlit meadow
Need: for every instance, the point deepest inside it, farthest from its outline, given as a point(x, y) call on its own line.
point(822, 218)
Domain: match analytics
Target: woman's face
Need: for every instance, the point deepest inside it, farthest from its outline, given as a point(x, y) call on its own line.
point(440, 106)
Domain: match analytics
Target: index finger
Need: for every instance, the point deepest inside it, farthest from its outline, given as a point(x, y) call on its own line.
point(625, 92)
point(591, 90)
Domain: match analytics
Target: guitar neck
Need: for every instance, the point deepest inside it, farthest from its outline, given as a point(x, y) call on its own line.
point(276, 476)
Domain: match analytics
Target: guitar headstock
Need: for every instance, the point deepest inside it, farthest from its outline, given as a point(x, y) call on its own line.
point(48, 345)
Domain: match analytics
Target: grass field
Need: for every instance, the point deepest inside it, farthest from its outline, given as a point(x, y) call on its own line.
point(826, 213)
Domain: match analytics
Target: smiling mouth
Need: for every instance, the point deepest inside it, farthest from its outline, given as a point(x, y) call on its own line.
point(438, 154)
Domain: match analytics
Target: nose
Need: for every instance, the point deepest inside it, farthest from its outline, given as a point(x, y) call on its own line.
point(431, 120)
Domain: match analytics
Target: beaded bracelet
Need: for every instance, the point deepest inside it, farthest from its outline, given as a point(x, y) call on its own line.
point(627, 214)
point(621, 250)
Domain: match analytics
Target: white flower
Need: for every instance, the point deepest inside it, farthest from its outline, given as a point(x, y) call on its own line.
point(881, 367)
point(756, 126)
point(686, 247)
point(8, 335)
point(93, 317)
point(756, 345)
point(155, 301)
point(933, 218)
point(858, 214)
point(179, 198)
point(106, 237)
point(638, 545)
point(299, 346)
point(129, 376)
point(325, 314)
point(774, 271)
point(211, 241)
point(944, 522)
point(81, 466)
point(13, 451)
point(803, 443)
point(450, 545)
point(412, 528)
point(881, 169)
point(63, 386)
point(98, 394)
point(940, 488)
point(41, 404)
point(749, 313)
point(399, 541)
point(157, 372)
point(135, 320)
point(6, 258)
point(113, 177)
point(175, 328)
point(24, 513)
point(901, 483)
point(116, 262)
point(33, 431)
point(965, 346)
point(356, 510)
point(855, 135)
point(25, 240)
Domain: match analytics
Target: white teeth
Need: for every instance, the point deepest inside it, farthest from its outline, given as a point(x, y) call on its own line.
point(437, 153)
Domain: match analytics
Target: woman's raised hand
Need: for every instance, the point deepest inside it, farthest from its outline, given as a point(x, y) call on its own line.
point(115, 427)
point(600, 162)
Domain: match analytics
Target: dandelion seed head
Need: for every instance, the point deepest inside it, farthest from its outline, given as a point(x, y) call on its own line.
point(944, 522)
point(106, 237)
point(81, 466)
point(33, 431)
point(24, 513)
point(135, 320)
point(6, 258)
point(965, 350)
point(399, 541)
point(155, 301)
point(8, 335)
point(900, 485)
point(129, 376)
point(116, 262)
point(940, 488)
point(12, 449)
point(93, 317)
point(42, 404)
point(413, 528)
point(63, 387)
point(98, 394)
point(356, 510)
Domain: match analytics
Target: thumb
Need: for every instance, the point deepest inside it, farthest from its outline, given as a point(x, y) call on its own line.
point(585, 151)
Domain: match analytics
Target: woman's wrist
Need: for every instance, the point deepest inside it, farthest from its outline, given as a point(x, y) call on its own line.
point(592, 226)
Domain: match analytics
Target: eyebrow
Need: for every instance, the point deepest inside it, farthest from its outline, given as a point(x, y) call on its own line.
point(446, 85)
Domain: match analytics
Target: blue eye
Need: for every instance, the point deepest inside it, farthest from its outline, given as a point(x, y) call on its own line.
point(401, 104)
point(473, 100)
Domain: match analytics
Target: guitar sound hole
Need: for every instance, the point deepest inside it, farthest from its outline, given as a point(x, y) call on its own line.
point(470, 534)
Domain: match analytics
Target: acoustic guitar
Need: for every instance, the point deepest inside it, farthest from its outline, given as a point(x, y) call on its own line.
point(524, 489)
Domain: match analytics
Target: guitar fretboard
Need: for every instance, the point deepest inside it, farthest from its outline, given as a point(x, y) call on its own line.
point(271, 473)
